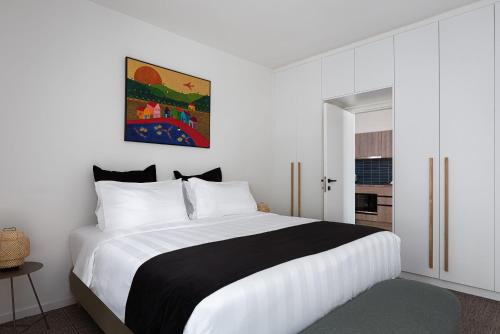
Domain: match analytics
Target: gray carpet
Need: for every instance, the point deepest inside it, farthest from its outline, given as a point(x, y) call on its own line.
point(479, 316)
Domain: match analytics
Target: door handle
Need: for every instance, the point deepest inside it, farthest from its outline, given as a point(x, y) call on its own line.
point(299, 184)
point(292, 171)
point(446, 212)
point(330, 180)
point(431, 213)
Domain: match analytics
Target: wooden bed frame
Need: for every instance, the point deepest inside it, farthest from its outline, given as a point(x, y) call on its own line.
point(100, 313)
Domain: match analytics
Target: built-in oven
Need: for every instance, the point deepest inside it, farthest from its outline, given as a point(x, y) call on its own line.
point(366, 203)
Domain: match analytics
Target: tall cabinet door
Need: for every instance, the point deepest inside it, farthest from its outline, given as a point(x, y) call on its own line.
point(497, 147)
point(416, 143)
point(284, 140)
point(467, 141)
point(309, 140)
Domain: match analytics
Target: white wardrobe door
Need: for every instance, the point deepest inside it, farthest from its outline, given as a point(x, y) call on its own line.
point(416, 141)
point(467, 139)
point(374, 65)
point(284, 138)
point(338, 75)
point(310, 138)
point(497, 146)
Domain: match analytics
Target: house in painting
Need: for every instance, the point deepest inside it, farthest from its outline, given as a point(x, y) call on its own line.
point(143, 113)
point(140, 113)
point(191, 107)
point(147, 113)
point(155, 109)
point(193, 122)
point(175, 113)
point(184, 117)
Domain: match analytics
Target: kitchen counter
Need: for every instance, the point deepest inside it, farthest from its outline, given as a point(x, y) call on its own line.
point(379, 189)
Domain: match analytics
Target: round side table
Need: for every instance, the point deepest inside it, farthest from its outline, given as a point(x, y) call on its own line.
point(26, 269)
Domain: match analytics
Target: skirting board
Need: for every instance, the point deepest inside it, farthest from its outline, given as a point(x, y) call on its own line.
point(453, 286)
point(33, 309)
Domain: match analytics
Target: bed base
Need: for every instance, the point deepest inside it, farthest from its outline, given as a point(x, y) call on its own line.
point(98, 311)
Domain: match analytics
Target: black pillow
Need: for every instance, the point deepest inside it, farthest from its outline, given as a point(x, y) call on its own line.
point(136, 176)
point(214, 175)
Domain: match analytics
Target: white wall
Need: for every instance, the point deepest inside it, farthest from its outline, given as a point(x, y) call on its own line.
point(62, 92)
point(374, 121)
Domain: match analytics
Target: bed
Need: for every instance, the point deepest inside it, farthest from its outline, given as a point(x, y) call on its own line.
point(284, 298)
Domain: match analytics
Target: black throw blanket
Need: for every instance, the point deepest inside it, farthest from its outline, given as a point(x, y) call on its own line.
point(166, 289)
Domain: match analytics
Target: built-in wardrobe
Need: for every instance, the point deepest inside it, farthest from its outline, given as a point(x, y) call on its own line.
point(445, 79)
point(444, 148)
point(297, 142)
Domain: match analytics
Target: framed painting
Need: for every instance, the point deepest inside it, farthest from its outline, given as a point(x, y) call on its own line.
point(163, 106)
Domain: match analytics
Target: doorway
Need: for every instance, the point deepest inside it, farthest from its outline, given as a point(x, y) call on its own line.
point(358, 156)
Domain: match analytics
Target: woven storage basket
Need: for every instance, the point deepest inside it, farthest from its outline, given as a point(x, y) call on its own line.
point(14, 248)
point(263, 207)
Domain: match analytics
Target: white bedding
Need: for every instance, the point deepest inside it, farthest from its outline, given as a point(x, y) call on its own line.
point(282, 299)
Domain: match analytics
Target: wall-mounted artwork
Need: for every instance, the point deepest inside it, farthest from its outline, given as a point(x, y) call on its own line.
point(164, 106)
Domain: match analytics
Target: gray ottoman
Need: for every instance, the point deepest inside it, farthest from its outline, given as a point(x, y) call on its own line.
point(395, 306)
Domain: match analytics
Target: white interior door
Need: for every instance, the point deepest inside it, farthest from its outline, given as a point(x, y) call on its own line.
point(339, 164)
point(416, 141)
point(467, 139)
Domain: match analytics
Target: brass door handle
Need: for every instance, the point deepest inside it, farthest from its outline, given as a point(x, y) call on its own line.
point(292, 171)
point(446, 213)
point(431, 212)
point(299, 183)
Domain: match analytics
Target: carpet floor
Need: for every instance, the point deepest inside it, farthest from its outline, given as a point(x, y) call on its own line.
point(479, 316)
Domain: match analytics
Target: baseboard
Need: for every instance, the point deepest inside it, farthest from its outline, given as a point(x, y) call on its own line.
point(33, 309)
point(453, 286)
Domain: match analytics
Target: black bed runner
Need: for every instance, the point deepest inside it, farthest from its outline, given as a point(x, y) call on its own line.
point(166, 289)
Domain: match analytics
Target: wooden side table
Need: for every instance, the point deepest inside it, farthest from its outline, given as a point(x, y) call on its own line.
point(26, 269)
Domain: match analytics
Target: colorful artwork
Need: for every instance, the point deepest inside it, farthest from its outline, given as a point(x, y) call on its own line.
point(166, 107)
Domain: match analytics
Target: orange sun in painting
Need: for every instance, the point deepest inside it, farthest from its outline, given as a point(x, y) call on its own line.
point(147, 75)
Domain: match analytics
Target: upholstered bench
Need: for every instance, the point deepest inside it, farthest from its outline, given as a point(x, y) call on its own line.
point(395, 306)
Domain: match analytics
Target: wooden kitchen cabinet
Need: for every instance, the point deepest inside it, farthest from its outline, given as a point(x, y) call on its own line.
point(383, 217)
point(374, 144)
point(384, 214)
point(386, 144)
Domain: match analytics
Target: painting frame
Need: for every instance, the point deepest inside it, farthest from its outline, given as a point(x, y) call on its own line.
point(188, 136)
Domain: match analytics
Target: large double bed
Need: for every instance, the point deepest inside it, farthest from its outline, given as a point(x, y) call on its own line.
point(113, 270)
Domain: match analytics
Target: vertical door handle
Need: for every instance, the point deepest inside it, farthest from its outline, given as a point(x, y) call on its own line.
point(291, 188)
point(431, 212)
point(446, 213)
point(299, 185)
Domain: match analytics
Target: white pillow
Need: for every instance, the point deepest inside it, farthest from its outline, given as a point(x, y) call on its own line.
point(216, 199)
point(123, 205)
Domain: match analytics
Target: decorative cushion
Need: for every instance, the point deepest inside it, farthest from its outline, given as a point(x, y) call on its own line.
point(136, 176)
point(214, 175)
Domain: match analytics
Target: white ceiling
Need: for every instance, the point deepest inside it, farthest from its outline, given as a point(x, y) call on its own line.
point(277, 32)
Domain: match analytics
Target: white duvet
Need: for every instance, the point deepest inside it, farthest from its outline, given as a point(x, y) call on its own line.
point(282, 299)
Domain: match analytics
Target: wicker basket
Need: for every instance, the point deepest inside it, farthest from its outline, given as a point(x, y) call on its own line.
point(262, 207)
point(14, 248)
